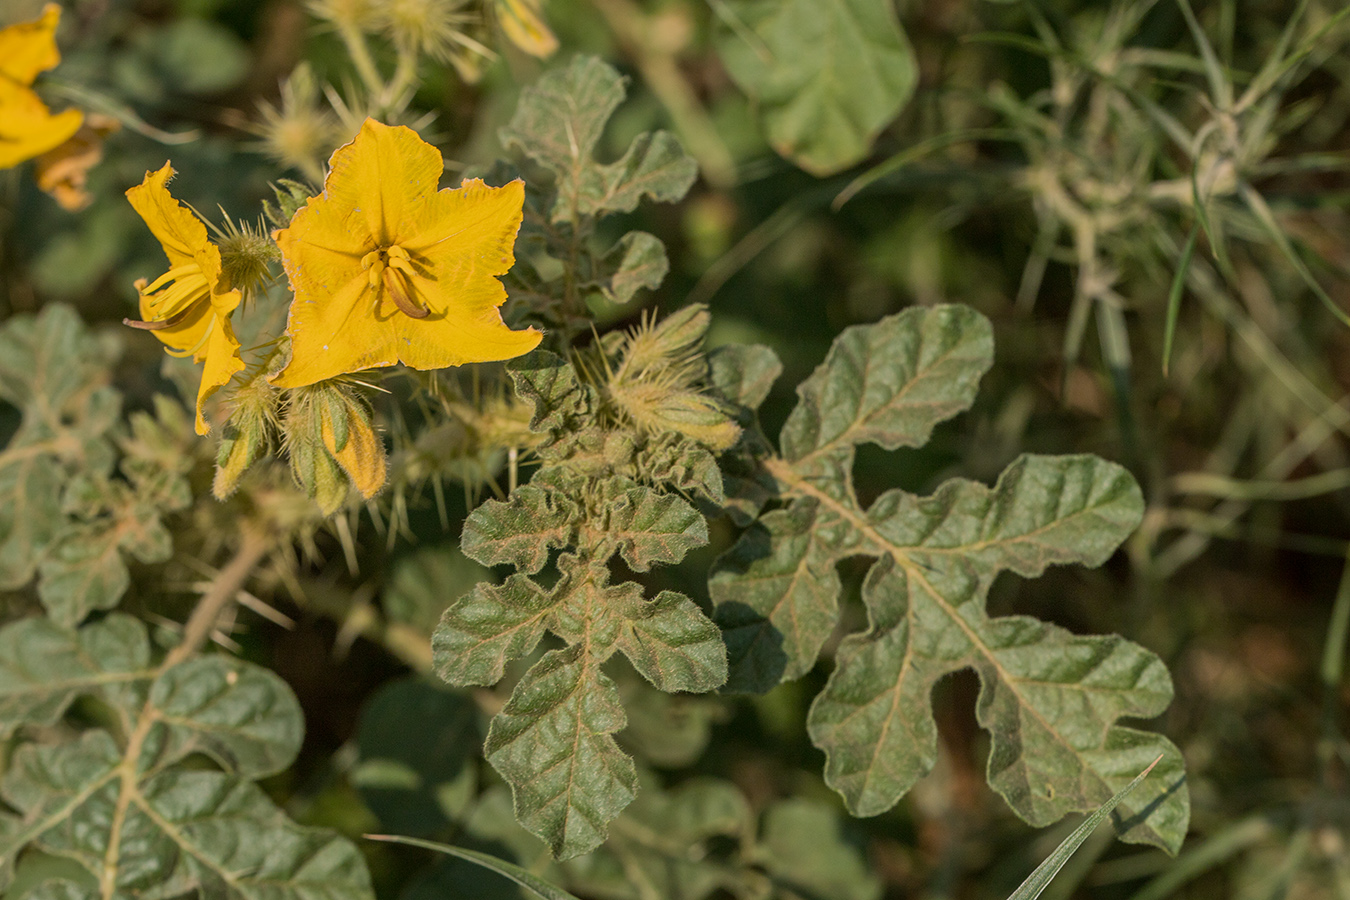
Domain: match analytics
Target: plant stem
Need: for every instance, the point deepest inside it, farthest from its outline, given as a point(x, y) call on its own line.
point(361, 58)
point(224, 588)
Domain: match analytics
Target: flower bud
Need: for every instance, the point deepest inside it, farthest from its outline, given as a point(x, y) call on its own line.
point(247, 433)
point(332, 443)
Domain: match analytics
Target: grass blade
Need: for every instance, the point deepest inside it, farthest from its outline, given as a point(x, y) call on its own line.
point(532, 883)
point(1174, 296)
point(1038, 880)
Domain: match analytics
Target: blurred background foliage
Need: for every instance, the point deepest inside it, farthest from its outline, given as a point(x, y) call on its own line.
point(1148, 200)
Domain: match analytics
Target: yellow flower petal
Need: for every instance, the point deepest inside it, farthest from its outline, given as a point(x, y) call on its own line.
point(29, 48)
point(27, 127)
point(387, 269)
point(178, 231)
point(222, 362)
point(188, 297)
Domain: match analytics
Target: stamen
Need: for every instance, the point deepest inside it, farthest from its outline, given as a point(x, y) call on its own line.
point(396, 282)
point(160, 324)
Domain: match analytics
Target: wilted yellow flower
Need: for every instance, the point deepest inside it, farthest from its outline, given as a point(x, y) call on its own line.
point(189, 306)
point(388, 269)
point(27, 127)
point(64, 171)
point(523, 24)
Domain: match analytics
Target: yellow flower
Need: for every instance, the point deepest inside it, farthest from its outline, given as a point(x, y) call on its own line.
point(189, 306)
point(27, 127)
point(388, 269)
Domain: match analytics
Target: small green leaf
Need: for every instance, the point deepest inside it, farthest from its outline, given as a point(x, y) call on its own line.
point(487, 627)
point(649, 527)
point(637, 261)
point(242, 716)
point(554, 744)
point(558, 123)
point(521, 530)
point(673, 644)
point(744, 373)
point(829, 75)
point(560, 118)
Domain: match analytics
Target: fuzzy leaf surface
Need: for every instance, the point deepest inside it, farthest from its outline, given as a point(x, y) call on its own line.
point(554, 744)
point(637, 261)
point(126, 808)
point(673, 644)
point(519, 531)
point(488, 627)
point(829, 75)
point(55, 373)
point(650, 528)
point(1050, 700)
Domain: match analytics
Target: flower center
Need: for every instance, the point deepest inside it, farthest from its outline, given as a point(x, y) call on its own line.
point(392, 267)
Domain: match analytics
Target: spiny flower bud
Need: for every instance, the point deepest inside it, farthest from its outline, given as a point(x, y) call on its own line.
point(437, 28)
point(247, 434)
point(245, 254)
point(299, 132)
point(657, 380)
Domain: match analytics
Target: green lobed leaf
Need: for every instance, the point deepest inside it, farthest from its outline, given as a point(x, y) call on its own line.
point(560, 118)
point(44, 667)
point(558, 123)
point(554, 744)
point(123, 806)
point(829, 75)
point(521, 530)
point(673, 644)
point(182, 831)
point(487, 627)
point(242, 716)
point(1051, 700)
